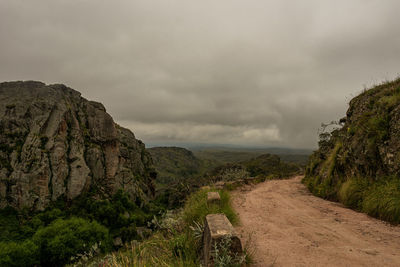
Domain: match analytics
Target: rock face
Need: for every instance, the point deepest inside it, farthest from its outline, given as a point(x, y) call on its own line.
point(54, 143)
point(366, 146)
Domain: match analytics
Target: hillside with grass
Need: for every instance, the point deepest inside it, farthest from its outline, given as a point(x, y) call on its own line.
point(358, 163)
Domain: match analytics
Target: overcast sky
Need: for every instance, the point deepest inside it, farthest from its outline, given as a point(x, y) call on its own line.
point(246, 72)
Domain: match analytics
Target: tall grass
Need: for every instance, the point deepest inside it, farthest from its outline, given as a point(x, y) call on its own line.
point(380, 199)
point(159, 250)
point(383, 200)
point(352, 192)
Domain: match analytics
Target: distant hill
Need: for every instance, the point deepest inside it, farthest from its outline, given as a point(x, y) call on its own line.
point(175, 164)
point(358, 164)
point(231, 155)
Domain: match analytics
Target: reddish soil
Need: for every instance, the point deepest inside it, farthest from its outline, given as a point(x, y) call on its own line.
point(287, 226)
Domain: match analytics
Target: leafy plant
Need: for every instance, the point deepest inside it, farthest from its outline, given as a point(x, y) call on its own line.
point(223, 256)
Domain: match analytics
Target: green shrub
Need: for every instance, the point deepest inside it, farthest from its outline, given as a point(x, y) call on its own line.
point(18, 254)
point(48, 216)
point(64, 239)
point(119, 214)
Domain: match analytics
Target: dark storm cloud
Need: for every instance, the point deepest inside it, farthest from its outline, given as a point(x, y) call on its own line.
point(251, 72)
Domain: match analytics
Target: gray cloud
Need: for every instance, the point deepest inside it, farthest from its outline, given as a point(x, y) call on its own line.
point(231, 71)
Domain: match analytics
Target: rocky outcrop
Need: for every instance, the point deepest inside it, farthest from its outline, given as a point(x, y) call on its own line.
point(366, 144)
point(55, 144)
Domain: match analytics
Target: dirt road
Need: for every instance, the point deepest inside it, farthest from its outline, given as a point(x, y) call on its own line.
point(289, 227)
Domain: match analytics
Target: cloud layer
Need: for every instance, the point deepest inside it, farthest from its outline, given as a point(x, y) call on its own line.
point(251, 72)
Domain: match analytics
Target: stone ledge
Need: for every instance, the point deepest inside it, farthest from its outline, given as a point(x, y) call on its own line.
point(213, 198)
point(216, 228)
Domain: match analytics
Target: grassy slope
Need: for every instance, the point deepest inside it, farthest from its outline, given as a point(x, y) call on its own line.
point(358, 164)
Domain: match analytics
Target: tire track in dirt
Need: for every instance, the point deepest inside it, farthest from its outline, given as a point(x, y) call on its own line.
point(287, 226)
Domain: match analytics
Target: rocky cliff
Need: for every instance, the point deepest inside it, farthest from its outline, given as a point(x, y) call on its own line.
point(366, 146)
point(55, 144)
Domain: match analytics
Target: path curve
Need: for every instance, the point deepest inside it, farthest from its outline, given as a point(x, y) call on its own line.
point(287, 226)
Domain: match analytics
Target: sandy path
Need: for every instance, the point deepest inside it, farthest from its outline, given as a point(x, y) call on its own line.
point(290, 227)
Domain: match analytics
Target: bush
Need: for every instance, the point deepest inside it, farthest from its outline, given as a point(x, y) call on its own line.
point(116, 213)
point(18, 254)
point(64, 239)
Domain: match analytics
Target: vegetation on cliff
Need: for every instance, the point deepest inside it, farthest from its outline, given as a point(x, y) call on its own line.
point(71, 180)
point(358, 163)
